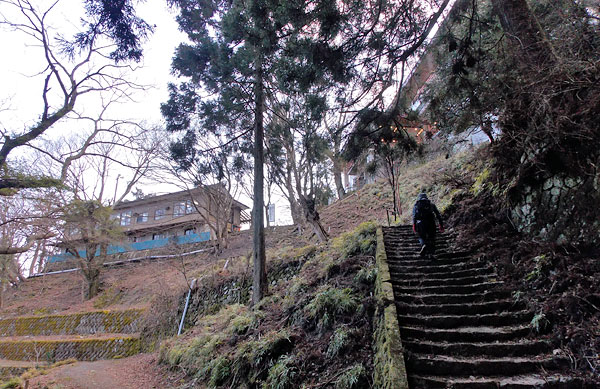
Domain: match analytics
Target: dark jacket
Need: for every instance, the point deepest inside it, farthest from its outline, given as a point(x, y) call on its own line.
point(423, 196)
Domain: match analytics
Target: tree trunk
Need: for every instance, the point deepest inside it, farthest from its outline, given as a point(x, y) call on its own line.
point(312, 217)
point(92, 280)
point(259, 284)
point(522, 27)
point(337, 177)
point(295, 208)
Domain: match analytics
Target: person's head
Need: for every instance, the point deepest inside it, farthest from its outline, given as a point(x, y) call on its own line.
point(422, 196)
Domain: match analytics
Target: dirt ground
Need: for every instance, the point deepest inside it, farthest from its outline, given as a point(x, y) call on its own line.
point(133, 285)
point(139, 371)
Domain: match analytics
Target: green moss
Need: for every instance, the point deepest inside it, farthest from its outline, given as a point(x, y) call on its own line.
point(69, 324)
point(109, 297)
point(481, 182)
point(390, 370)
point(12, 383)
point(81, 349)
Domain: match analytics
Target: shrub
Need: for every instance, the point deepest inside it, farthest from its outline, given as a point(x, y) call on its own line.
point(338, 341)
point(354, 377)
point(282, 374)
point(366, 274)
point(361, 241)
point(218, 370)
point(239, 325)
point(328, 304)
point(254, 355)
point(12, 383)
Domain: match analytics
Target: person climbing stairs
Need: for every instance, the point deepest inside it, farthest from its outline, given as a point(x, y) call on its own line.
point(460, 326)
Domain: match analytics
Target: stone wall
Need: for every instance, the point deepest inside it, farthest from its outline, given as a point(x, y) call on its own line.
point(560, 208)
point(125, 322)
point(81, 349)
point(390, 369)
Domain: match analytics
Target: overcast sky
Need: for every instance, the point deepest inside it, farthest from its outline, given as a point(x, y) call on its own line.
point(21, 61)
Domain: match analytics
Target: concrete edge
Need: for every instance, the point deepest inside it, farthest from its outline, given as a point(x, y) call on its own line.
point(390, 368)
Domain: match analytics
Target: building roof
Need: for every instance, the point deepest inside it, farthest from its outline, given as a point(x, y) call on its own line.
point(173, 195)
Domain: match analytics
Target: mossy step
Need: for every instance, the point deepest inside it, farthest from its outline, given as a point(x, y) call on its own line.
point(472, 288)
point(433, 267)
point(503, 305)
point(465, 334)
point(404, 256)
point(455, 321)
point(519, 348)
point(453, 366)
point(81, 348)
point(406, 281)
point(81, 323)
point(451, 298)
point(444, 275)
point(532, 381)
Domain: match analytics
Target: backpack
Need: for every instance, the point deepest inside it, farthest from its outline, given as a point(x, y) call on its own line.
point(424, 210)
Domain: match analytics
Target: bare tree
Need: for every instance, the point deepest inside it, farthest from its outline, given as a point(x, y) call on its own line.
point(70, 71)
point(212, 178)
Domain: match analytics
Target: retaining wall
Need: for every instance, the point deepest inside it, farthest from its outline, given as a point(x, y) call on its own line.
point(390, 369)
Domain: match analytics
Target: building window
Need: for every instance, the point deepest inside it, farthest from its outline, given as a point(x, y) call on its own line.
point(158, 236)
point(126, 218)
point(189, 207)
point(189, 231)
point(159, 214)
point(270, 213)
point(142, 217)
point(179, 209)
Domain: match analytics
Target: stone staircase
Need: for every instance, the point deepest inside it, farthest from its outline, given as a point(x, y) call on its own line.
point(86, 336)
point(459, 325)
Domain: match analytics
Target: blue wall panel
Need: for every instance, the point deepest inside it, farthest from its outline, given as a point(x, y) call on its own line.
point(145, 245)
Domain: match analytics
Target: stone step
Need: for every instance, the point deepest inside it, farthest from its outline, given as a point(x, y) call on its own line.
point(465, 334)
point(459, 326)
point(404, 281)
point(57, 348)
point(532, 381)
point(454, 366)
point(83, 323)
point(419, 261)
point(451, 298)
point(506, 305)
point(414, 245)
point(457, 321)
point(433, 267)
point(449, 289)
point(519, 348)
point(443, 275)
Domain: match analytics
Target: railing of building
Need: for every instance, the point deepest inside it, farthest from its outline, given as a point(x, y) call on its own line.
point(137, 246)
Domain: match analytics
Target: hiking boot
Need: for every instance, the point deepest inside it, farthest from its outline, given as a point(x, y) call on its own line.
point(423, 250)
